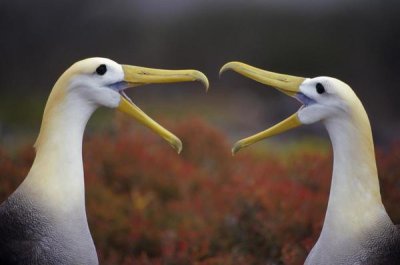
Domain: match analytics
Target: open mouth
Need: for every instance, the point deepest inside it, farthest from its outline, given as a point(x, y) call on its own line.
point(303, 99)
point(135, 76)
point(289, 85)
point(122, 93)
point(120, 87)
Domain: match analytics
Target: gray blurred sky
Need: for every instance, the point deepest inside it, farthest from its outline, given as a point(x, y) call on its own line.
point(178, 7)
point(356, 41)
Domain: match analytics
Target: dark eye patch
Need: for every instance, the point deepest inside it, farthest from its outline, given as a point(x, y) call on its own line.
point(101, 70)
point(320, 88)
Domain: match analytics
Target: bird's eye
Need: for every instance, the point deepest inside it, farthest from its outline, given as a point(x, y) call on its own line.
point(101, 70)
point(320, 88)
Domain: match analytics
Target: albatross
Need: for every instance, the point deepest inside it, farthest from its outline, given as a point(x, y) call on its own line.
point(356, 229)
point(44, 220)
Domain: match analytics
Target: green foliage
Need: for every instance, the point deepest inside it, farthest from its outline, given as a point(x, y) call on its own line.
point(147, 205)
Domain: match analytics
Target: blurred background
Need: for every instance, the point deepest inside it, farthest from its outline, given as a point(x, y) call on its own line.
point(356, 41)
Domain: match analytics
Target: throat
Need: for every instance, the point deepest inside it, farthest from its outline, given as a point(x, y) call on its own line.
point(355, 206)
point(56, 178)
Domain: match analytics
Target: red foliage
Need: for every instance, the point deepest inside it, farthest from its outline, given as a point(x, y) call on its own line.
point(147, 205)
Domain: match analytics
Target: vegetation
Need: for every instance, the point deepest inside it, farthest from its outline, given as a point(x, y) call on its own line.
point(147, 205)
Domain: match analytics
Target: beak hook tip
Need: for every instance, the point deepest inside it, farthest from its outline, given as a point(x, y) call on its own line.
point(179, 150)
point(224, 69)
point(236, 147)
point(177, 145)
point(230, 66)
point(206, 84)
point(203, 79)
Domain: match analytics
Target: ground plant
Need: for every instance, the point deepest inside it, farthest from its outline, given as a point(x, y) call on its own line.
point(147, 205)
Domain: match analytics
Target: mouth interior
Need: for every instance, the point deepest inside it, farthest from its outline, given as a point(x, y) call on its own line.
point(120, 87)
point(306, 101)
point(122, 93)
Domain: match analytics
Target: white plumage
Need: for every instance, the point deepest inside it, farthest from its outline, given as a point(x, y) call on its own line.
point(44, 220)
point(357, 229)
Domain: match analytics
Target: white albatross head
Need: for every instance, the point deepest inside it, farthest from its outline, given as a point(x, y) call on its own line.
point(323, 99)
point(95, 82)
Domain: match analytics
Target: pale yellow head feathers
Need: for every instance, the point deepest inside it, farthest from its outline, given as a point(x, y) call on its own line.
point(323, 98)
point(95, 82)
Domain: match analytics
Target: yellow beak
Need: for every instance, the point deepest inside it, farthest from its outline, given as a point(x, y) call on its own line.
point(136, 76)
point(285, 83)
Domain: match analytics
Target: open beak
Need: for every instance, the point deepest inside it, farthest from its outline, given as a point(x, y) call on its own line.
point(285, 83)
point(135, 76)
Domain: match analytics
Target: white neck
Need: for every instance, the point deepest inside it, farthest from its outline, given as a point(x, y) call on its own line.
point(355, 205)
point(56, 177)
